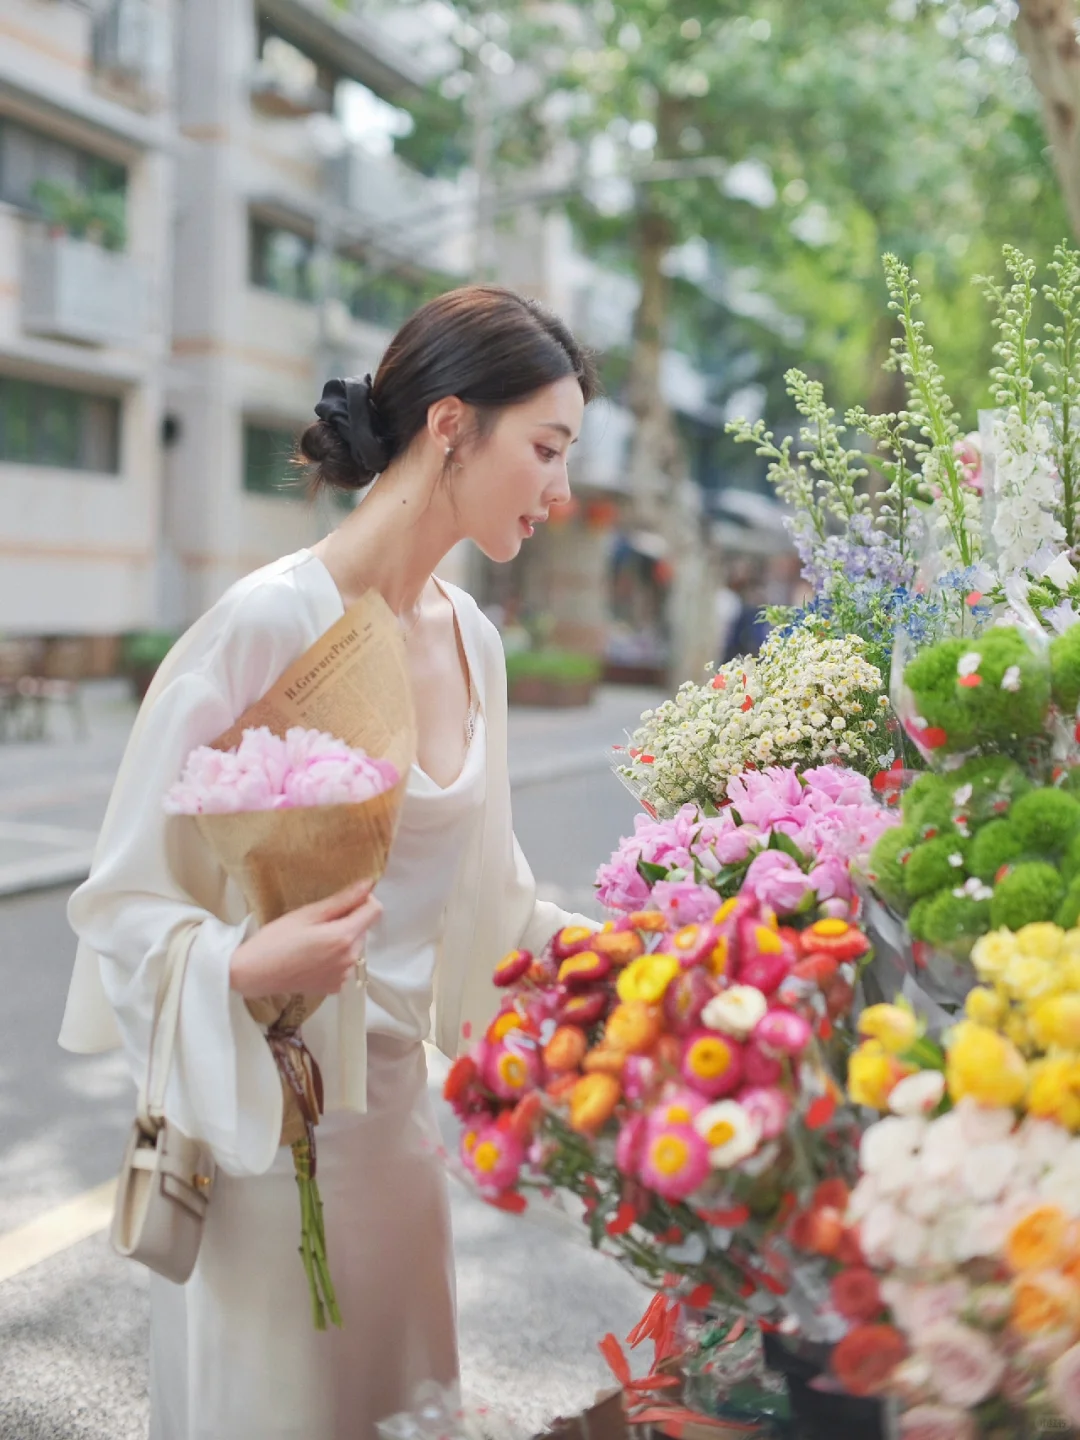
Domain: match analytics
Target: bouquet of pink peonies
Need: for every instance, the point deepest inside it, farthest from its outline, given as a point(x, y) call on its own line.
point(293, 819)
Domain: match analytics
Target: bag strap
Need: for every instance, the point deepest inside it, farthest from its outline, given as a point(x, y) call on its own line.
point(150, 1113)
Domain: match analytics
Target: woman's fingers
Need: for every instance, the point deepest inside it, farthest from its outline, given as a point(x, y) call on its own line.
point(343, 902)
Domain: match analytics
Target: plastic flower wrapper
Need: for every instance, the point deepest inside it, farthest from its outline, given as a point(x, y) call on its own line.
point(672, 1083)
point(438, 1414)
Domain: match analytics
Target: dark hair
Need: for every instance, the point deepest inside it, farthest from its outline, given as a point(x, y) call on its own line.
point(485, 344)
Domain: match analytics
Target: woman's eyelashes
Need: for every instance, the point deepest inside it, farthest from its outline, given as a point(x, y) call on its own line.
point(547, 454)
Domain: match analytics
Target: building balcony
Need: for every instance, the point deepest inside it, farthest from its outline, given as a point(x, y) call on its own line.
point(408, 215)
point(75, 290)
point(129, 44)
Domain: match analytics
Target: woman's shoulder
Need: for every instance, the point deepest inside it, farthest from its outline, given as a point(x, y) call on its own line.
point(264, 619)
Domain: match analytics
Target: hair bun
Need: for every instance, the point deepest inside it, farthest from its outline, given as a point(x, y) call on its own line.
point(348, 406)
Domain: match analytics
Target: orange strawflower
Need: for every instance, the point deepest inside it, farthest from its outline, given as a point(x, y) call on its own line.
point(592, 1102)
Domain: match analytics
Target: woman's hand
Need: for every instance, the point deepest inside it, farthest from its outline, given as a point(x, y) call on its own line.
point(311, 950)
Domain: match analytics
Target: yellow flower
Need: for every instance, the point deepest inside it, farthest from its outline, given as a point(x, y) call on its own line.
point(1070, 945)
point(896, 1028)
point(1041, 940)
point(1016, 1028)
point(647, 977)
point(1045, 1301)
point(1029, 979)
point(993, 952)
point(1056, 1021)
point(873, 1073)
point(983, 1064)
point(986, 1007)
point(1069, 971)
point(1054, 1093)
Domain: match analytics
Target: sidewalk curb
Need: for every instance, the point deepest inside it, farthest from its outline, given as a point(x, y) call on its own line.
point(71, 867)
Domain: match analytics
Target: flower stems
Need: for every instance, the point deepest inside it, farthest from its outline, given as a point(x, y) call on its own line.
point(313, 1240)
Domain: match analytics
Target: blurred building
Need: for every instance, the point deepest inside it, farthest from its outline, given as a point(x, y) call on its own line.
point(202, 215)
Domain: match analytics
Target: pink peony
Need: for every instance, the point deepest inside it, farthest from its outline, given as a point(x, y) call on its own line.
point(675, 1161)
point(304, 769)
point(619, 885)
point(838, 784)
point(831, 878)
point(965, 1365)
point(783, 1032)
point(1065, 1384)
point(684, 902)
point(768, 1106)
point(733, 846)
point(937, 1422)
point(774, 879)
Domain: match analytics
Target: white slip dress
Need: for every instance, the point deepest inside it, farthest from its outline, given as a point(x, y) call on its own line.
point(234, 1355)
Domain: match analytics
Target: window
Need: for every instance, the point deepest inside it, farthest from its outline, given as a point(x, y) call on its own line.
point(267, 452)
point(384, 297)
point(68, 429)
point(83, 192)
point(281, 260)
point(289, 79)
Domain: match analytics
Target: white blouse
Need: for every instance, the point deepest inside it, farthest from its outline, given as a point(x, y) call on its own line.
point(152, 873)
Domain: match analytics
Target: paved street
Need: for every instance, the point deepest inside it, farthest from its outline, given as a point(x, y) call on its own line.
point(73, 1327)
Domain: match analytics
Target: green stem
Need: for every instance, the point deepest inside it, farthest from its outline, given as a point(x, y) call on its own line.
point(313, 1241)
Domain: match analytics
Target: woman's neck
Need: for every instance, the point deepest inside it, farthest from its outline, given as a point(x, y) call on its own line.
point(393, 541)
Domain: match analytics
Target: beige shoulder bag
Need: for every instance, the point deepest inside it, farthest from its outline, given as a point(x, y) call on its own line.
point(165, 1180)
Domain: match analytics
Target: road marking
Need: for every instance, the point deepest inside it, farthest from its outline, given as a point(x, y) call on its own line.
point(46, 1235)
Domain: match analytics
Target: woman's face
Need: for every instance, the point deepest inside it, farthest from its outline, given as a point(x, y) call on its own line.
point(509, 480)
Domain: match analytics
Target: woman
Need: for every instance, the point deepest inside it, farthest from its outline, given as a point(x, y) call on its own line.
point(467, 424)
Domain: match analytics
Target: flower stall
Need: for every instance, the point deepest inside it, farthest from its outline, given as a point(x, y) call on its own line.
point(816, 1077)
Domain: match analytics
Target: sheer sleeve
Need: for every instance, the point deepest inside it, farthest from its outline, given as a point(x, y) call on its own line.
point(152, 873)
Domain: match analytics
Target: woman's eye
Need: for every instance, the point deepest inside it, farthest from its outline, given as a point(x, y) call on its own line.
point(546, 454)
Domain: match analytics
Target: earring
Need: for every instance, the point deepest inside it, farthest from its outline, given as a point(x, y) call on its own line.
point(449, 451)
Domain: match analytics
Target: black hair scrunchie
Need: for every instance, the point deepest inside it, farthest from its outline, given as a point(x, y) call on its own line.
point(347, 406)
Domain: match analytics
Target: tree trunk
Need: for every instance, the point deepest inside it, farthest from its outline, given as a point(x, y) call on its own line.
point(1046, 35)
point(664, 499)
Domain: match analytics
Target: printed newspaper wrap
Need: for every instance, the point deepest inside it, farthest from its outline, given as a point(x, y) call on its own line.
point(354, 683)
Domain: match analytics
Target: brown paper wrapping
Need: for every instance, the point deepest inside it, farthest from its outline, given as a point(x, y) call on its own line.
point(354, 683)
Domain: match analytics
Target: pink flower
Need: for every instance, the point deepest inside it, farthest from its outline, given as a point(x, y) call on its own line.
point(841, 786)
point(629, 1144)
point(679, 1106)
point(675, 1161)
point(510, 1071)
point(712, 1063)
point(936, 1422)
point(638, 1076)
point(266, 772)
point(831, 878)
point(685, 902)
point(686, 997)
point(620, 886)
point(783, 1032)
point(1065, 1384)
point(760, 1068)
point(774, 879)
point(917, 1307)
point(733, 846)
point(964, 1363)
point(768, 1106)
point(495, 1157)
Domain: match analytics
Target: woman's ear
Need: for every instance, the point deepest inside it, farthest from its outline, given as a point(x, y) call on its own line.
point(446, 420)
